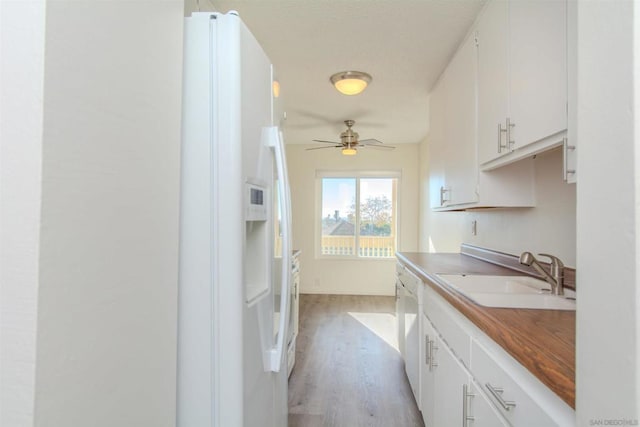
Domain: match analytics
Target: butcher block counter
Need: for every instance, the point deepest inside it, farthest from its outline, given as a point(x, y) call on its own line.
point(543, 341)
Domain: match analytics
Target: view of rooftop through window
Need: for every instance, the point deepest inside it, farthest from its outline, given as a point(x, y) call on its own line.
point(358, 216)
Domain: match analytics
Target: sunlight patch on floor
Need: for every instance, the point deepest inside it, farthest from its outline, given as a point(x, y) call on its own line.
point(381, 324)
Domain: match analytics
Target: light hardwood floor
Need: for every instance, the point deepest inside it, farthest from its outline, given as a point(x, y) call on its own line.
point(348, 370)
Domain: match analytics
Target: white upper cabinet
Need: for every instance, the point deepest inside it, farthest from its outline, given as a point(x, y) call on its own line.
point(570, 170)
point(461, 166)
point(522, 79)
point(455, 181)
point(452, 143)
point(538, 69)
point(493, 96)
point(437, 146)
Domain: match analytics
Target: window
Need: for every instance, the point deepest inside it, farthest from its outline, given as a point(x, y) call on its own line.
point(358, 215)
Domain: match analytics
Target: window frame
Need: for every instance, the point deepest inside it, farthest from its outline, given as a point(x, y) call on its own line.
point(357, 175)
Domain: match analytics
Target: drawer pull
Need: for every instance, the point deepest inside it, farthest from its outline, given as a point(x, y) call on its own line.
point(497, 394)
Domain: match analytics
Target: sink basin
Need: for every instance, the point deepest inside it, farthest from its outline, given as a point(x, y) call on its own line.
point(508, 291)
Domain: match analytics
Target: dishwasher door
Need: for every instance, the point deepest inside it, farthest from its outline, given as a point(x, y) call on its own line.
point(400, 316)
point(412, 341)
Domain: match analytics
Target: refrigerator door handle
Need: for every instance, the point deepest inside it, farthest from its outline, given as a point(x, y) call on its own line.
point(272, 137)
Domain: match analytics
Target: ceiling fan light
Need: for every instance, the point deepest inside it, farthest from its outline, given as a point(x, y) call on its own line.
point(349, 151)
point(276, 89)
point(350, 82)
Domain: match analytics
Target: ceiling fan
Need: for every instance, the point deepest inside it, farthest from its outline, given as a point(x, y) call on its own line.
point(349, 142)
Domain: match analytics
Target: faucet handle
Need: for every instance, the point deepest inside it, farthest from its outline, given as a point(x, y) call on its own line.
point(557, 267)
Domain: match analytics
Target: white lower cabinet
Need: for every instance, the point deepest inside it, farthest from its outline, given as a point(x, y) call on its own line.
point(451, 378)
point(428, 371)
point(449, 395)
point(466, 379)
point(412, 343)
point(511, 399)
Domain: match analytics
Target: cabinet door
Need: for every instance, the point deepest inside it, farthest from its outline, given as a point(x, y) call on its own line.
point(538, 69)
point(437, 147)
point(509, 392)
point(571, 145)
point(451, 376)
point(400, 316)
point(461, 164)
point(427, 372)
point(412, 342)
point(492, 80)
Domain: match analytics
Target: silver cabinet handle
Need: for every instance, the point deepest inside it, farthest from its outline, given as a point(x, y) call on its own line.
point(427, 351)
point(465, 405)
point(442, 193)
point(510, 140)
point(501, 130)
point(432, 347)
point(565, 152)
point(497, 394)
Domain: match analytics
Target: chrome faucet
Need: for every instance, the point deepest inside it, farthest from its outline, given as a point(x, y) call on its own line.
point(556, 275)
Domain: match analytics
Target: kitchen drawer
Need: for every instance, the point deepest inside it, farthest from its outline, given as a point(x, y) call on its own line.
point(408, 279)
point(447, 322)
point(511, 390)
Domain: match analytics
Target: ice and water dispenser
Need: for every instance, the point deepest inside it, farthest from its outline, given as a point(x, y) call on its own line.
point(257, 259)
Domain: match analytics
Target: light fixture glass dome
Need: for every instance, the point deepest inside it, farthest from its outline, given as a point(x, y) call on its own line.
point(350, 82)
point(349, 151)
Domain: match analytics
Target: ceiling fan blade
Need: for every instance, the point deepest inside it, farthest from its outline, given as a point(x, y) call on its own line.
point(320, 148)
point(377, 147)
point(326, 142)
point(369, 141)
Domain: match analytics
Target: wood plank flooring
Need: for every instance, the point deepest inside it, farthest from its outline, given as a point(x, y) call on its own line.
point(348, 370)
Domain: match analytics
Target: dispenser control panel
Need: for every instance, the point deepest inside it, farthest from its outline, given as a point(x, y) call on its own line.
point(255, 202)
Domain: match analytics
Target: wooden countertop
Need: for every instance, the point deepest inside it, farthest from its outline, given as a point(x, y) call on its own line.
point(543, 341)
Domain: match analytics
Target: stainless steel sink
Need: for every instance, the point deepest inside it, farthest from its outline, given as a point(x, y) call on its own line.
point(508, 291)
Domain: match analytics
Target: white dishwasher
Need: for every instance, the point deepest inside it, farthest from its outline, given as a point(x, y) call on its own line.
point(410, 348)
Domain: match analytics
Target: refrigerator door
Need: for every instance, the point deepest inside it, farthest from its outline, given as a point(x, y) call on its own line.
point(210, 316)
point(231, 368)
point(272, 137)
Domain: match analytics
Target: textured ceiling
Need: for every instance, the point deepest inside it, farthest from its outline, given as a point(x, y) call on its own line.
point(403, 44)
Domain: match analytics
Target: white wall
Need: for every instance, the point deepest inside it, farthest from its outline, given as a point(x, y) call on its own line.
point(550, 227)
point(608, 315)
point(357, 277)
point(104, 137)
point(21, 92)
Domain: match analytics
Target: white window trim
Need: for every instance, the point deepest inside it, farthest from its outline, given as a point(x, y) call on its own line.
point(397, 174)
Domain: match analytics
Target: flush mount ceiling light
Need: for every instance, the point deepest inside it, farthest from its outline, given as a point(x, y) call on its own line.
point(350, 82)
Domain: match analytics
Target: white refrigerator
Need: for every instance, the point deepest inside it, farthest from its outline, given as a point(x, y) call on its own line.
point(233, 316)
